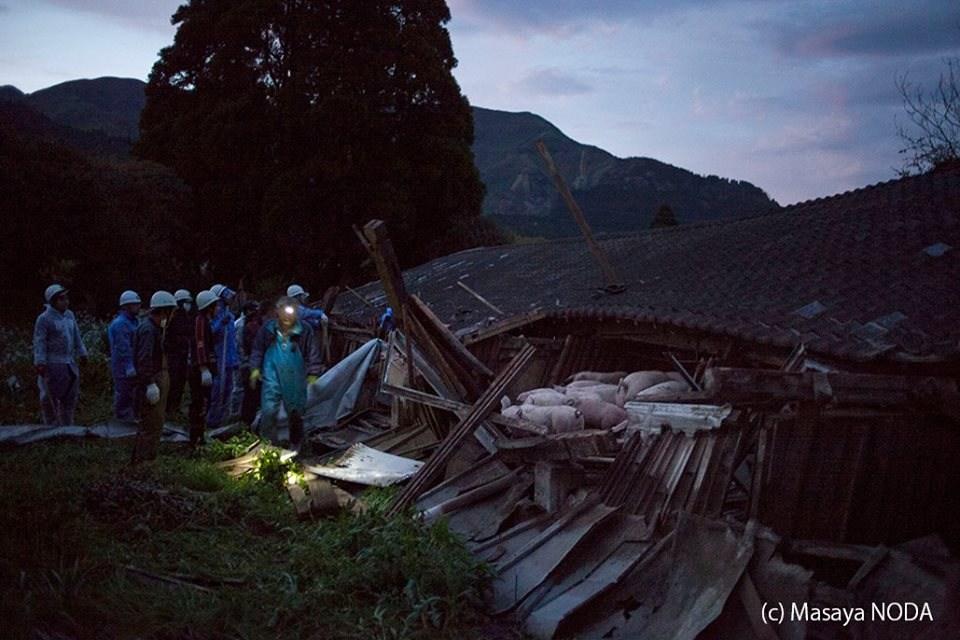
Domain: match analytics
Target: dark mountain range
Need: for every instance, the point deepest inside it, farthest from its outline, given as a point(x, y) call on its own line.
point(109, 105)
point(17, 116)
point(616, 194)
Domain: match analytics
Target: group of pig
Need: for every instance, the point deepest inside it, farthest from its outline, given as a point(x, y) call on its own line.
point(590, 399)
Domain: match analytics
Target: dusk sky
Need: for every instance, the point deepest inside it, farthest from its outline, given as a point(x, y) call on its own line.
point(799, 98)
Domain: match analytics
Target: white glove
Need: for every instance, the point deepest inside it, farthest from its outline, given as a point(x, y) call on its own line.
point(206, 378)
point(153, 393)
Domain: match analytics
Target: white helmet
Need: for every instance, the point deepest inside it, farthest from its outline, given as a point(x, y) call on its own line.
point(206, 298)
point(223, 292)
point(295, 291)
point(129, 297)
point(182, 295)
point(162, 300)
point(53, 291)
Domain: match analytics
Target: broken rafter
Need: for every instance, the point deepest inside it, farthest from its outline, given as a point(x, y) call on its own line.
point(430, 320)
point(503, 326)
point(479, 297)
point(614, 284)
point(479, 412)
point(460, 408)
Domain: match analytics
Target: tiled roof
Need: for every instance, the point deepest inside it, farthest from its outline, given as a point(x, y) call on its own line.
point(870, 273)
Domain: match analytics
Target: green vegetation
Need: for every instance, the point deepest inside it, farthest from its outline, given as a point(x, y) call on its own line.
point(22, 405)
point(664, 217)
point(87, 542)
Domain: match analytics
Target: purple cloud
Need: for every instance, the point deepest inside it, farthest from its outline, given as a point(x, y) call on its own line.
point(143, 14)
point(889, 28)
point(552, 82)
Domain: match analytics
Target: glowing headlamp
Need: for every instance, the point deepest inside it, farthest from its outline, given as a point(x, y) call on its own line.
point(289, 310)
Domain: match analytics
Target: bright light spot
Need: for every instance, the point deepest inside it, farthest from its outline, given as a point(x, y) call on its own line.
point(288, 310)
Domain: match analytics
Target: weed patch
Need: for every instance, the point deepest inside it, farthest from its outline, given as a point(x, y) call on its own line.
point(81, 534)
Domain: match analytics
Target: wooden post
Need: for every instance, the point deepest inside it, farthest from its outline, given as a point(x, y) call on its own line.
point(381, 250)
point(614, 285)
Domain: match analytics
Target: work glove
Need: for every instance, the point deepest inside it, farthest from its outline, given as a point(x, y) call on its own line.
point(153, 393)
point(312, 379)
point(206, 378)
point(41, 369)
point(254, 378)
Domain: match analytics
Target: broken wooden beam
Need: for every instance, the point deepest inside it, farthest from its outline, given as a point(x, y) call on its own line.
point(613, 282)
point(479, 297)
point(460, 408)
point(452, 377)
point(430, 321)
point(485, 405)
point(503, 326)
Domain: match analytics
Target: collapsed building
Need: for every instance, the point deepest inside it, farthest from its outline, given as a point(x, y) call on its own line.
point(808, 454)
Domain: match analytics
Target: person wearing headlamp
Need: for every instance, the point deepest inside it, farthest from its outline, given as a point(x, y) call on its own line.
point(286, 357)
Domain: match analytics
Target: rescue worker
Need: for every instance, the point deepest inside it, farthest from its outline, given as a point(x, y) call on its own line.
point(246, 334)
point(57, 348)
point(203, 365)
point(386, 324)
point(286, 355)
point(121, 334)
point(152, 362)
point(243, 371)
point(179, 341)
point(225, 350)
point(316, 318)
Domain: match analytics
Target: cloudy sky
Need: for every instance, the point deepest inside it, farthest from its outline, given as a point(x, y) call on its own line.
point(797, 97)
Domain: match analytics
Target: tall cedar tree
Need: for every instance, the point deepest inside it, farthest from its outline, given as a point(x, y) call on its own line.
point(294, 119)
point(664, 217)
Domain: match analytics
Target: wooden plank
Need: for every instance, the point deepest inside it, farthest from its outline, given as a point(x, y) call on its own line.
point(757, 482)
point(557, 370)
point(360, 297)
point(380, 247)
point(461, 408)
point(479, 297)
point(508, 324)
point(430, 321)
point(437, 358)
point(613, 282)
point(485, 405)
point(690, 380)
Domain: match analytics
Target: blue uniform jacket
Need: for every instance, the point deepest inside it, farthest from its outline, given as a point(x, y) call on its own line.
point(313, 317)
point(225, 339)
point(122, 333)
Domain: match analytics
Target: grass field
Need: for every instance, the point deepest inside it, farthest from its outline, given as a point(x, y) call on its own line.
point(82, 532)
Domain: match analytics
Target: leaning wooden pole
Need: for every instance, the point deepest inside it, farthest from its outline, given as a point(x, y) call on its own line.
point(614, 284)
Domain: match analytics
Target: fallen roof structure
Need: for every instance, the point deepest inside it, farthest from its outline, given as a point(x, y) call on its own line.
point(816, 417)
point(865, 275)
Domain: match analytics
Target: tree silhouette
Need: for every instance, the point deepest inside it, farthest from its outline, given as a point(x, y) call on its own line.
point(934, 135)
point(294, 119)
point(664, 218)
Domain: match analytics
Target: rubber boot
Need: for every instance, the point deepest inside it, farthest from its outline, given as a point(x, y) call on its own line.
point(296, 430)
